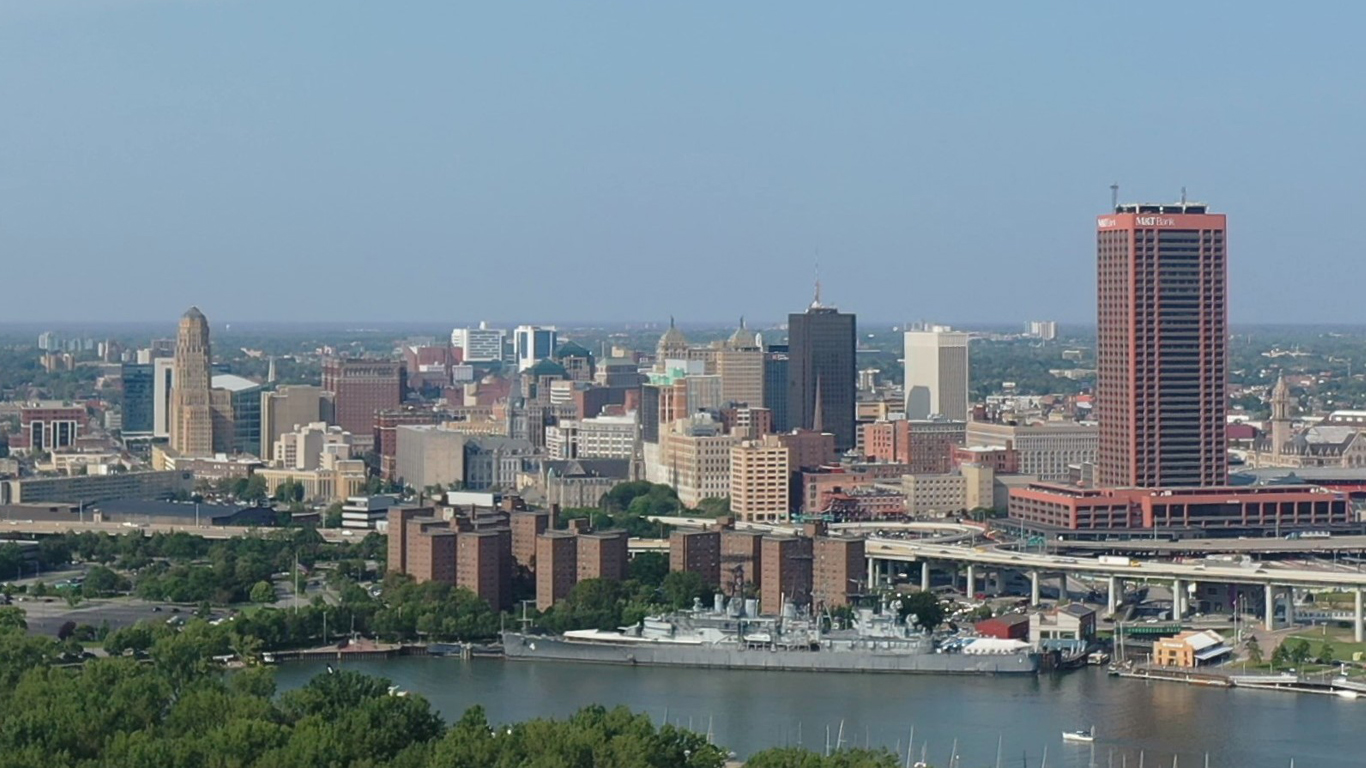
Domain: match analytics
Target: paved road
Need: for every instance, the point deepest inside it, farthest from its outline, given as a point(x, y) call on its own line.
point(914, 550)
point(34, 527)
point(1336, 543)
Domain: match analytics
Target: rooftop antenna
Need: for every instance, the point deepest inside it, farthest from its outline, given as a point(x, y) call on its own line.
point(1183, 196)
point(1114, 195)
point(817, 302)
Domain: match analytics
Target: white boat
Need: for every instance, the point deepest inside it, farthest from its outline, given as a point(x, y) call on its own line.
point(1346, 694)
point(1082, 737)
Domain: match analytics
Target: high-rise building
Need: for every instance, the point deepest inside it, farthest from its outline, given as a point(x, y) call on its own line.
point(533, 343)
point(937, 373)
point(479, 345)
point(286, 409)
point(191, 405)
point(163, 382)
point(740, 364)
point(1161, 352)
point(775, 387)
point(139, 398)
point(760, 480)
point(360, 387)
point(822, 378)
point(1047, 330)
point(242, 396)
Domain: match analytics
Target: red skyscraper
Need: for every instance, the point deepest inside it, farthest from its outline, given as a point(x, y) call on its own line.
point(1161, 393)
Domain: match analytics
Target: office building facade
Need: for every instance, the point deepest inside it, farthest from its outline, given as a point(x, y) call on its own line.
point(936, 374)
point(533, 343)
point(1161, 358)
point(822, 378)
point(360, 387)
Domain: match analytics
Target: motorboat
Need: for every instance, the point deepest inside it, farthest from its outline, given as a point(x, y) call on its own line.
point(1080, 737)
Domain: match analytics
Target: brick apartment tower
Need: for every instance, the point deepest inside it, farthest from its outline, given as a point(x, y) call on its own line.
point(527, 525)
point(787, 573)
point(838, 570)
point(603, 555)
point(483, 565)
point(557, 568)
point(697, 551)
point(1162, 356)
point(742, 556)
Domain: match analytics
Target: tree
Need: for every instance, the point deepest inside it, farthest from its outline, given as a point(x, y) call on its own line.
point(1299, 651)
point(924, 606)
point(254, 490)
point(649, 568)
point(102, 581)
point(796, 757)
point(1254, 650)
point(263, 592)
point(332, 518)
point(683, 588)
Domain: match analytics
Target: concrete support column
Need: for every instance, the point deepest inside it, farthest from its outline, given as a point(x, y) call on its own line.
point(1112, 596)
point(972, 582)
point(1357, 630)
point(1178, 599)
point(925, 575)
point(872, 574)
point(1290, 606)
point(1033, 587)
point(1062, 588)
point(1270, 621)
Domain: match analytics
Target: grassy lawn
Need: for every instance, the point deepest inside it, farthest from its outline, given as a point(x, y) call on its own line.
point(1343, 647)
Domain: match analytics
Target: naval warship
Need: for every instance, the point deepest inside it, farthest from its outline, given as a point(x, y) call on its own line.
point(731, 636)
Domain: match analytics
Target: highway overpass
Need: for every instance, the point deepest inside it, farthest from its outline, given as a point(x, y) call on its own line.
point(1271, 578)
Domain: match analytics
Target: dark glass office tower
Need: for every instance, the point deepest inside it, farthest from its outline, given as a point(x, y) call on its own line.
point(775, 386)
point(821, 374)
point(138, 400)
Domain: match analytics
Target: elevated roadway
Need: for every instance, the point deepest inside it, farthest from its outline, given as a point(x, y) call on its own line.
point(1270, 577)
point(1232, 546)
point(49, 528)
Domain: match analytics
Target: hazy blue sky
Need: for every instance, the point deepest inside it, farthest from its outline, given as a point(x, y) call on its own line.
point(338, 160)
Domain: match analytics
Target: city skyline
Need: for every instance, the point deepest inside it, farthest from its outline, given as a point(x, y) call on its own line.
point(329, 156)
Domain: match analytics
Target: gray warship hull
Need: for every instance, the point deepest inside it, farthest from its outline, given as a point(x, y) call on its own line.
point(520, 647)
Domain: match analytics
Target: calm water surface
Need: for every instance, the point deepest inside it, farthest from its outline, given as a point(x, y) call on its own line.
point(751, 710)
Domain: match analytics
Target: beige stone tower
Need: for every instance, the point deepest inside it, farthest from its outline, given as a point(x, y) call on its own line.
point(191, 414)
point(1280, 417)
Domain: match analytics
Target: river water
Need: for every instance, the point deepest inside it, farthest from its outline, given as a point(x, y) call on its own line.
point(752, 710)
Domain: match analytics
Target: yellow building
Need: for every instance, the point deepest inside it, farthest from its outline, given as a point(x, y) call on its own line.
point(760, 480)
point(1190, 649)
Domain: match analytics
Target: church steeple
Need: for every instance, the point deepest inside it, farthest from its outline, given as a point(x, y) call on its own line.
point(1280, 416)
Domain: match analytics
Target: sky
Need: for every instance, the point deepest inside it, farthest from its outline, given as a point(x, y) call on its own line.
point(591, 161)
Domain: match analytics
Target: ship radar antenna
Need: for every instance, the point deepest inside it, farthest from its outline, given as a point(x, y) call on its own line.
point(1114, 196)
